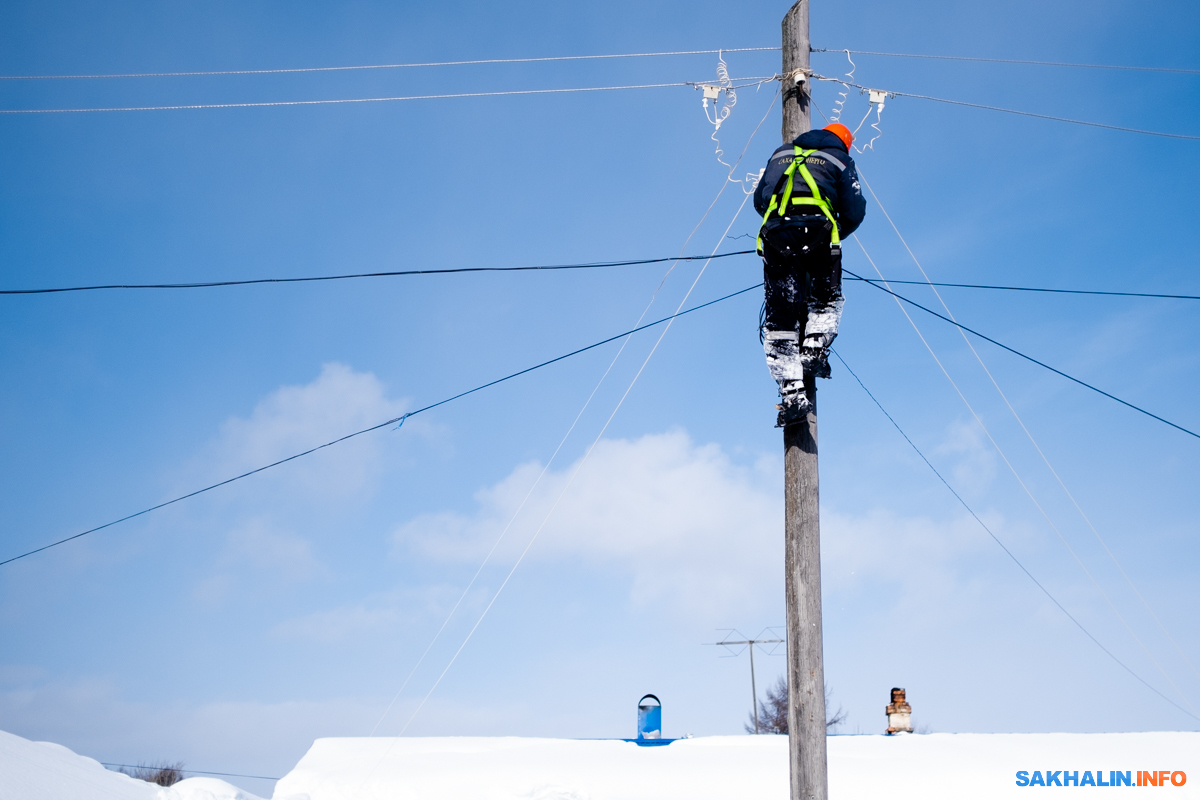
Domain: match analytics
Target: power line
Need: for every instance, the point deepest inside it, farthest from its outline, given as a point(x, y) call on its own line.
point(340, 101)
point(1105, 126)
point(1038, 289)
point(211, 284)
point(548, 268)
point(1003, 547)
point(1003, 346)
point(195, 771)
point(400, 419)
point(1011, 61)
point(295, 70)
point(1049, 117)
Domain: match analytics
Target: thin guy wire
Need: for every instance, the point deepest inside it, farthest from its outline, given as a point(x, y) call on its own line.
point(550, 513)
point(1188, 137)
point(724, 185)
point(1003, 547)
point(542, 474)
point(1012, 61)
point(1029, 434)
point(1038, 289)
point(211, 284)
point(400, 418)
point(340, 101)
point(375, 66)
point(1026, 489)
point(876, 284)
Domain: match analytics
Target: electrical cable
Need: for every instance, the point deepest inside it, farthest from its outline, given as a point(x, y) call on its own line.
point(400, 419)
point(376, 66)
point(210, 284)
point(1015, 352)
point(194, 771)
point(339, 101)
point(1009, 61)
point(1038, 289)
point(1029, 434)
point(1185, 136)
point(552, 267)
point(1004, 547)
point(1020, 480)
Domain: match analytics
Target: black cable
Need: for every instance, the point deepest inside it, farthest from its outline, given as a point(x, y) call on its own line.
point(193, 771)
point(210, 284)
point(400, 419)
point(592, 265)
point(1003, 547)
point(1037, 289)
point(1010, 61)
point(1003, 346)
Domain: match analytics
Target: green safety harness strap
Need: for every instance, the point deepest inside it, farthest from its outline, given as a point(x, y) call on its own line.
point(781, 204)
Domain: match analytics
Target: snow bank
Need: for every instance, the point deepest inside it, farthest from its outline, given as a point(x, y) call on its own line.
point(860, 767)
point(45, 771)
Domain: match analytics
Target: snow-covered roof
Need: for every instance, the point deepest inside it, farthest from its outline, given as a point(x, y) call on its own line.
point(928, 767)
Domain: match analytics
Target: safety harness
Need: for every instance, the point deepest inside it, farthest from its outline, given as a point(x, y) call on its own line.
point(780, 202)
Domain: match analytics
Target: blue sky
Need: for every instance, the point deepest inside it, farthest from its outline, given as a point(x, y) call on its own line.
point(234, 628)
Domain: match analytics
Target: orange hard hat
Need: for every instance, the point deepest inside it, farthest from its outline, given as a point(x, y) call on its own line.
point(842, 132)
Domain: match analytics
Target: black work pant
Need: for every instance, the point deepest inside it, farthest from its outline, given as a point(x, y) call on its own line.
point(800, 272)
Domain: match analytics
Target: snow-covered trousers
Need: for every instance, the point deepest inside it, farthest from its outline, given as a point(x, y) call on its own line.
point(803, 290)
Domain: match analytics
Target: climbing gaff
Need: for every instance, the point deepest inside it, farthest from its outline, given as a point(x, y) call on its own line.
point(649, 718)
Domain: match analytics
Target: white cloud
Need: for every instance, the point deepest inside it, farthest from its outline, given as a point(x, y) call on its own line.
point(258, 543)
point(295, 418)
point(381, 613)
point(975, 466)
point(339, 624)
point(258, 550)
point(682, 521)
point(684, 524)
point(913, 561)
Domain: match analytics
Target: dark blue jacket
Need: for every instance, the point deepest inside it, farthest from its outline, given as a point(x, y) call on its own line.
point(832, 170)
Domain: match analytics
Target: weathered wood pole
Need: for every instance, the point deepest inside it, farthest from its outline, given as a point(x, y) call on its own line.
point(802, 554)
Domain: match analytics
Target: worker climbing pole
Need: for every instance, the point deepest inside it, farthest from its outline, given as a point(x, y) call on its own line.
point(810, 200)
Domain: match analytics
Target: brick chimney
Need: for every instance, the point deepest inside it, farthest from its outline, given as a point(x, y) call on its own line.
point(899, 714)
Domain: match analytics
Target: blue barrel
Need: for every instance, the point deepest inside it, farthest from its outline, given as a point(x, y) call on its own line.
point(649, 718)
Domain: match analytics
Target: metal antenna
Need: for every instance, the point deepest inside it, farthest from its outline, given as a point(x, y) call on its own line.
point(750, 643)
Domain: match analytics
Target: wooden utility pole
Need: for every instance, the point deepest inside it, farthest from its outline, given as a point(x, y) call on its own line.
point(802, 525)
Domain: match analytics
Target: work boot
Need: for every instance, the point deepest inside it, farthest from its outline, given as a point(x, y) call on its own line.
point(793, 406)
point(816, 361)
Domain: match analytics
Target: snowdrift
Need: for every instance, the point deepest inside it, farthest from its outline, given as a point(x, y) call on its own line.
point(45, 771)
point(932, 767)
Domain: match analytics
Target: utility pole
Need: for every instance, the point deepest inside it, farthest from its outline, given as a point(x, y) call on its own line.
point(802, 552)
point(753, 684)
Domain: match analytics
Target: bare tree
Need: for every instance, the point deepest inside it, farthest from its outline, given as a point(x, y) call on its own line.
point(772, 712)
point(162, 773)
